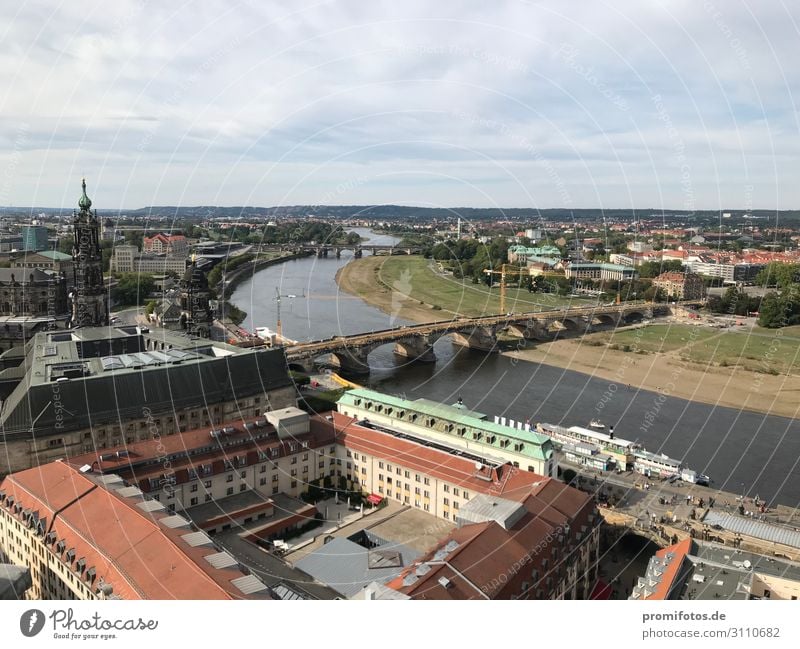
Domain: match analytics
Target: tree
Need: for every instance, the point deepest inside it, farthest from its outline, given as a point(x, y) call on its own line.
point(780, 275)
point(132, 288)
point(655, 268)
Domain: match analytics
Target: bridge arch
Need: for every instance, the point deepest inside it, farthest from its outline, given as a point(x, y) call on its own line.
point(633, 316)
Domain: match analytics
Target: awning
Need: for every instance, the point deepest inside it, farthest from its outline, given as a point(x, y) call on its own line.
point(374, 499)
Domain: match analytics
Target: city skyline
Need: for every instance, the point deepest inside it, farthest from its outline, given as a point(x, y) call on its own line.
point(513, 105)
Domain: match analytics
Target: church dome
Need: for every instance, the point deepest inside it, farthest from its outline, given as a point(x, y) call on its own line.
point(84, 202)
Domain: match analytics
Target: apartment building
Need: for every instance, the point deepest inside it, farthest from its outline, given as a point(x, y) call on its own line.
point(456, 426)
point(85, 536)
point(209, 464)
point(138, 380)
point(681, 286)
point(166, 244)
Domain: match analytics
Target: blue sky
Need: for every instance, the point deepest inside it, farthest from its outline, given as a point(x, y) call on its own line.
point(674, 104)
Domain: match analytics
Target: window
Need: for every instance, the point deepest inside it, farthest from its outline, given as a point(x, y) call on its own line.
point(208, 497)
point(380, 465)
point(263, 468)
point(446, 502)
point(229, 491)
point(446, 488)
point(426, 481)
point(455, 492)
point(243, 487)
point(398, 471)
point(262, 481)
point(380, 477)
point(294, 459)
point(194, 487)
point(427, 494)
point(466, 495)
point(426, 507)
point(408, 474)
point(193, 501)
point(388, 467)
point(275, 477)
point(207, 484)
point(294, 484)
point(244, 475)
point(447, 514)
point(455, 505)
point(294, 472)
point(274, 490)
point(416, 491)
point(305, 457)
point(416, 477)
point(229, 478)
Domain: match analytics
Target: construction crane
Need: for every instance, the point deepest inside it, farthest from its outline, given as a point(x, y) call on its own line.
point(278, 297)
point(505, 271)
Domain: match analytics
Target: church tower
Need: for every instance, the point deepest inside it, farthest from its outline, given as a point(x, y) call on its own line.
point(89, 298)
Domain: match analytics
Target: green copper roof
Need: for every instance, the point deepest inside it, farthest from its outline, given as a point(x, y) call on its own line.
point(535, 444)
point(84, 202)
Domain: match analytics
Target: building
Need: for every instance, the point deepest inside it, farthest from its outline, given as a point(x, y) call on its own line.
point(124, 259)
point(10, 241)
point(166, 244)
point(602, 271)
point(33, 293)
point(128, 259)
point(89, 297)
point(521, 255)
point(88, 536)
point(541, 533)
point(681, 286)
point(136, 380)
point(210, 464)
point(34, 238)
point(543, 543)
point(455, 426)
point(46, 260)
point(731, 273)
point(695, 570)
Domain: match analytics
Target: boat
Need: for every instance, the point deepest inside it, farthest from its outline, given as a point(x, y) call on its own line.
point(597, 424)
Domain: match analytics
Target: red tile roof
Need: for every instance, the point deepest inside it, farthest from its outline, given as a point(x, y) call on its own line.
point(680, 550)
point(506, 480)
point(490, 562)
point(128, 547)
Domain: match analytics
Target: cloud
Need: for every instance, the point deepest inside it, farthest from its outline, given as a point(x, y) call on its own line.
point(506, 103)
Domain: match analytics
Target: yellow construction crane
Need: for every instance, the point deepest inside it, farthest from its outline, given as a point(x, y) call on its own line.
point(505, 271)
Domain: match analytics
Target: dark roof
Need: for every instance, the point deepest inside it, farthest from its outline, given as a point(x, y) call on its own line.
point(122, 394)
point(23, 275)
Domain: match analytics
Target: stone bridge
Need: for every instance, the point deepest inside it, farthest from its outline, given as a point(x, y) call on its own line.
point(350, 353)
point(323, 250)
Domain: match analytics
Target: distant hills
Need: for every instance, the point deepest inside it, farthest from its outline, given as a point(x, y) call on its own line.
point(423, 214)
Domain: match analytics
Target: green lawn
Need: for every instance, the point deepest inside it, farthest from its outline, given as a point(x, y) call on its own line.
point(413, 276)
point(760, 349)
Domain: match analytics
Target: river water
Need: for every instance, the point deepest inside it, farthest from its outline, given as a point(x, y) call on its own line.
point(742, 451)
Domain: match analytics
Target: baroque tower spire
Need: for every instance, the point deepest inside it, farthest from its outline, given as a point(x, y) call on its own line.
point(89, 298)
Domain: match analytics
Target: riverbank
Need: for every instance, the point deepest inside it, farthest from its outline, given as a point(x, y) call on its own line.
point(666, 372)
point(731, 387)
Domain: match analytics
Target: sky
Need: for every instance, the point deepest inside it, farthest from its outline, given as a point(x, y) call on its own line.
point(672, 104)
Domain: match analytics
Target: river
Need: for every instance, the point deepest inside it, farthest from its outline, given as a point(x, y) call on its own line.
point(742, 451)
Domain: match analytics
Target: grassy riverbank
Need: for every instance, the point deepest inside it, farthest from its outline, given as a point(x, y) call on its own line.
point(411, 288)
